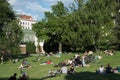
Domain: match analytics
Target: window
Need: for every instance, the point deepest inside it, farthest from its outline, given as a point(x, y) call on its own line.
point(23, 23)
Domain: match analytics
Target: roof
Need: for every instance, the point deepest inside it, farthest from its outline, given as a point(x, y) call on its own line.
point(26, 17)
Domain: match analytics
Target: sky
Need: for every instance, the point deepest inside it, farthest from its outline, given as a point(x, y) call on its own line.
point(35, 8)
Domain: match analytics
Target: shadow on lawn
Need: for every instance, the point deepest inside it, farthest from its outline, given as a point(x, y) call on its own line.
point(92, 76)
point(44, 78)
point(17, 79)
point(83, 76)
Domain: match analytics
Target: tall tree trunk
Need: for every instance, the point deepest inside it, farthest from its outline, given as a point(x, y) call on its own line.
point(41, 43)
point(96, 49)
point(60, 47)
point(37, 49)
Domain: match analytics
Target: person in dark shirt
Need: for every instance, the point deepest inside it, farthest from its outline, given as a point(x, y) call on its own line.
point(108, 68)
point(13, 77)
point(71, 70)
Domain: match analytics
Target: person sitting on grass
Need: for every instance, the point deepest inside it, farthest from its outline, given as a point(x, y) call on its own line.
point(64, 69)
point(116, 69)
point(108, 69)
point(13, 77)
point(84, 62)
point(54, 73)
point(71, 69)
point(2, 59)
point(24, 76)
point(101, 70)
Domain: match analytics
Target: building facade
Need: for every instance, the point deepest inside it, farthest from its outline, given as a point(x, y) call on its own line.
point(26, 23)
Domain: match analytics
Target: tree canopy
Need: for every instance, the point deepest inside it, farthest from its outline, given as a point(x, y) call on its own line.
point(85, 25)
point(10, 30)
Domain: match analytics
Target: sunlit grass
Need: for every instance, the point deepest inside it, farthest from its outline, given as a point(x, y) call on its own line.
point(38, 71)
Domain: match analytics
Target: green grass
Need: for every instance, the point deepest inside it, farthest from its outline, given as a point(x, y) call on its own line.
point(37, 72)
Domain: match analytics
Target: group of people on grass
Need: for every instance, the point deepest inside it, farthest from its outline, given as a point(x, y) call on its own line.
point(63, 70)
point(107, 69)
point(14, 77)
point(24, 65)
point(68, 65)
point(77, 60)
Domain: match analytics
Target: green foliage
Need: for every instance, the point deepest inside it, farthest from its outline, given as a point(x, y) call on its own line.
point(30, 48)
point(117, 26)
point(54, 26)
point(6, 14)
point(10, 31)
point(11, 37)
point(41, 30)
point(85, 25)
point(93, 23)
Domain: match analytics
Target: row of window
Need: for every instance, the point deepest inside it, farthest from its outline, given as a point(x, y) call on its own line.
point(25, 23)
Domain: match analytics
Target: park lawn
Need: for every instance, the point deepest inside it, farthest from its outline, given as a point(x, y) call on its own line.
point(37, 72)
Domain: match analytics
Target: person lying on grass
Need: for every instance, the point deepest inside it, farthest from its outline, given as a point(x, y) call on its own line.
point(25, 64)
point(47, 62)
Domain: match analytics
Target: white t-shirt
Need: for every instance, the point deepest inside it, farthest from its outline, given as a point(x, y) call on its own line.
point(101, 69)
point(64, 69)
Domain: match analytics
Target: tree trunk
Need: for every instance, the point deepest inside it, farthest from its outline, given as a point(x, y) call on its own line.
point(60, 47)
point(37, 46)
point(42, 46)
point(37, 49)
point(96, 49)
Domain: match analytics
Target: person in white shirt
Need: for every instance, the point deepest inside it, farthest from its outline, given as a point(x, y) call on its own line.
point(101, 69)
point(64, 69)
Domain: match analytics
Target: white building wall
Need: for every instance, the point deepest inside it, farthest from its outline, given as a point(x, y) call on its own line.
point(26, 24)
point(27, 28)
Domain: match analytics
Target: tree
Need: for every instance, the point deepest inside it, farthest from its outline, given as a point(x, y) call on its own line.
point(117, 23)
point(6, 14)
point(77, 26)
point(12, 36)
point(87, 24)
point(41, 33)
point(92, 24)
point(58, 23)
point(10, 31)
point(101, 22)
point(53, 25)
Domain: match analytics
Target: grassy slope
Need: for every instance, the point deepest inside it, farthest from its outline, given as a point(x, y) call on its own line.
point(38, 71)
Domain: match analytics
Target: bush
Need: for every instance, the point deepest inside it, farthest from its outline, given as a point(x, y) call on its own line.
point(30, 48)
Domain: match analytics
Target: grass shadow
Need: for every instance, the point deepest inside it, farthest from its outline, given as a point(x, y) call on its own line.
point(92, 76)
point(17, 79)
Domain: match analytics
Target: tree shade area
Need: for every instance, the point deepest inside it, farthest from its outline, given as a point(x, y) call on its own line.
point(85, 25)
